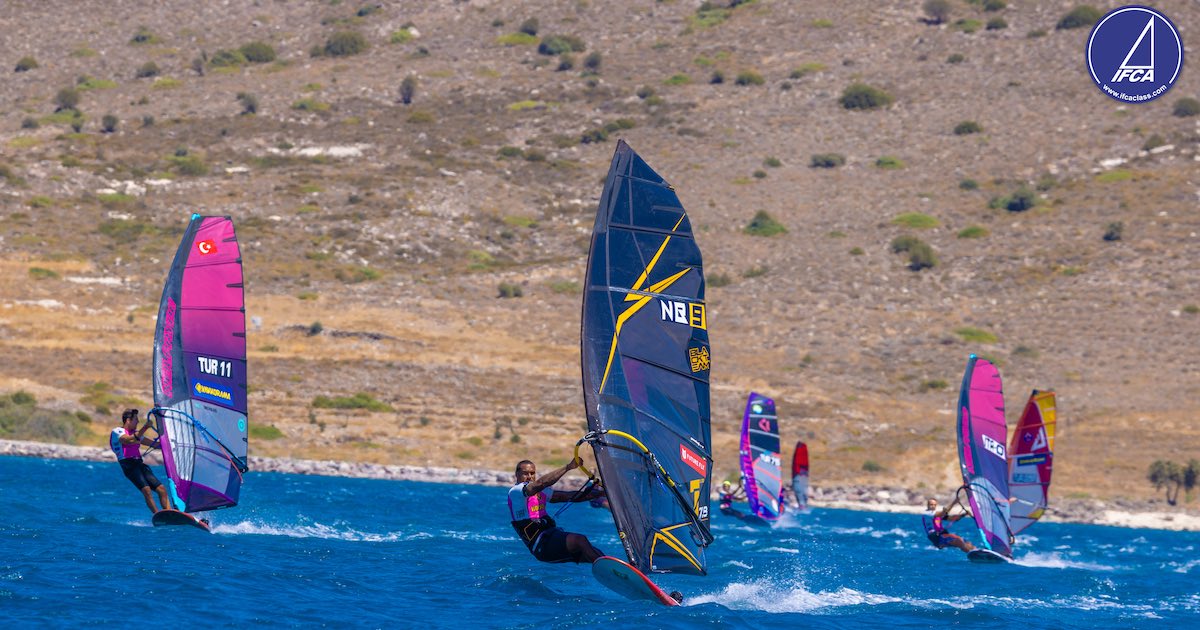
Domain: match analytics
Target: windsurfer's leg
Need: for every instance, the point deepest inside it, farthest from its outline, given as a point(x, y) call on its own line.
point(162, 497)
point(582, 548)
point(149, 499)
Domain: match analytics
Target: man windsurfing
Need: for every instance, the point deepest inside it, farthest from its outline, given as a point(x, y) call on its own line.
point(528, 502)
point(936, 530)
point(729, 494)
point(126, 443)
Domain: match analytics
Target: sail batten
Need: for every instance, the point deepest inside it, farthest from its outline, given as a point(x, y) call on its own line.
point(199, 369)
point(645, 365)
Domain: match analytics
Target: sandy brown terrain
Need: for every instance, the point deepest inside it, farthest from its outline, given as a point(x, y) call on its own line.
point(393, 225)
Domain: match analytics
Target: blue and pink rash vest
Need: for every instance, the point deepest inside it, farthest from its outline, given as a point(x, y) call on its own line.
point(133, 450)
point(530, 515)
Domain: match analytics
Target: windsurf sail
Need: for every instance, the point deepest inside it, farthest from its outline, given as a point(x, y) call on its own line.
point(760, 458)
point(199, 368)
point(800, 474)
point(1030, 459)
point(645, 359)
point(981, 435)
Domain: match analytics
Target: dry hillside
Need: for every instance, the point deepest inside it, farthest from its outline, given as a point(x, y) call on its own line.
point(393, 225)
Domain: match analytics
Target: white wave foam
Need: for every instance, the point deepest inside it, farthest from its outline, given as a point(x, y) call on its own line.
point(780, 550)
point(1185, 567)
point(736, 563)
point(315, 530)
point(1055, 560)
point(761, 595)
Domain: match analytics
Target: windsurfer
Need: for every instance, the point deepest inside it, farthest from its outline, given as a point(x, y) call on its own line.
point(729, 494)
point(126, 442)
point(936, 531)
point(527, 503)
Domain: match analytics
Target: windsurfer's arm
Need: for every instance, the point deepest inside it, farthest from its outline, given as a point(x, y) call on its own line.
point(129, 438)
point(549, 479)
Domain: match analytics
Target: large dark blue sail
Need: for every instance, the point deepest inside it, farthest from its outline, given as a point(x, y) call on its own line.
point(645, 369)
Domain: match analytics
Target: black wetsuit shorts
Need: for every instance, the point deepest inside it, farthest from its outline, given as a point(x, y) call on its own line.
point(551, 546)
point(139, 474)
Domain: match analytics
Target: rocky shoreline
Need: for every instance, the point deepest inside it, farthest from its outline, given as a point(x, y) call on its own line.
point(1150, 514)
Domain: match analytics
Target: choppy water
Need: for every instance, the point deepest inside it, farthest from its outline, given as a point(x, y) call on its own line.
point(76, 548)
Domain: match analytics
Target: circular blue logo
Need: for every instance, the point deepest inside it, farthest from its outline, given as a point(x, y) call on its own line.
point(242, 425)
point(1134, 54)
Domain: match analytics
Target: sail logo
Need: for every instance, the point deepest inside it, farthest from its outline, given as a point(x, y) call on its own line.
point(696, 462)
point(1134, 54)
point(772, 459)
point(687, 313)
point(1031, 460)
point(215, 393)
point(698, 359)
point(166, 364)
point(1040, 442)
point(206, 247)
point(215, 367)
point(993, 447)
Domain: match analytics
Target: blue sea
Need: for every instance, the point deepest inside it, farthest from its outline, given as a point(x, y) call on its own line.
point(77, 549)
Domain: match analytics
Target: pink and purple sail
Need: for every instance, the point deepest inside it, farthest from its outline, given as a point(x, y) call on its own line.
point(1031, 460)
point(760, 458)
point(982, 433)
point(199, 368)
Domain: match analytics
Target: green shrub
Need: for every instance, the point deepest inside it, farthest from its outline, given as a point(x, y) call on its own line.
point(756, 271)
point(996, 24)
point(1020, 201)
point(146, 70)
point(408, 89)
point(345, 44)
point(864, 97)
point(564, 287)
point(264, 432)
point(310, 105)
point(872, 466)
point(227, 59)
point(717, 77)
point(40, 201)
point(994, 5)
point(420, 118)
point(970, 334)
point(772, 162)
point(1079, 17)
point(507, 290)
point(402, 36)
point(827, 160)
point(967, 127)
point(108, 124)
point(888, 162)
point(1186, 106)
point(1113, 231)
point(190, 165)
point(25, 64)
point(143, 36)
point(967, 25)
point(920, 254)
point(565, 62)
point(41, 273)
point(763, 224)
point(29, 122)
point(555, 45)
point(717, 280)
point(257, 52)
point(973, 231)
point(361, 400)
point(968, 184)
point(956, 58)
point(249, 102)
point(856, 251)
point(678, 79)
point(529, 26)
point(749, 77)
point(66, 98)
point(315, 329)
point(1036, 33)
point(594, 135)
point(916, 220)
point(805, 70)
point(510, 151)
point(517, 39)
point(1191, 309)
point(592, 61)
point(937, 10)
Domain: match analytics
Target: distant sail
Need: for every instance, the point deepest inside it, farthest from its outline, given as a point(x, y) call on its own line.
point(800, 474)
point(981, 435)
point(760, 458)
point(199, 369)
point(1030, 460)
point(645, 357)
